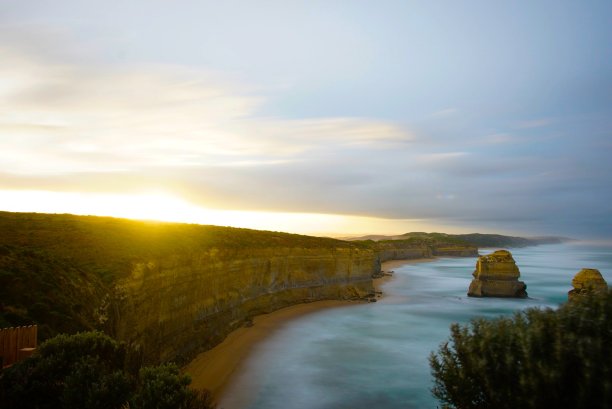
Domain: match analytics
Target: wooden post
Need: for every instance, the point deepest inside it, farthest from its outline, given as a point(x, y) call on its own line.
point(17, 344)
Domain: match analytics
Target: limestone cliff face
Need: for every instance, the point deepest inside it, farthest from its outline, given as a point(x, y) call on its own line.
point(405, 250)
point(174, 308)
point(456, 250)
point(587, 280)
point(496, 275)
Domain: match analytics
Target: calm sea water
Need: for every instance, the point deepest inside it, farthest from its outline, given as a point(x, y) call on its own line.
point(376, 355)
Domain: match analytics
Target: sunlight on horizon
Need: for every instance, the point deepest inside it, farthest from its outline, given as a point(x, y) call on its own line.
point(161, 206)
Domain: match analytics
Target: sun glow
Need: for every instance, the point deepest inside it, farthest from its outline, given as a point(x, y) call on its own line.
point(166, 207)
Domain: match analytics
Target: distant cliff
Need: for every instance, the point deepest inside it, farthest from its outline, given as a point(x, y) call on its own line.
point(421, 248)
point(474, 239)
point(176, 289)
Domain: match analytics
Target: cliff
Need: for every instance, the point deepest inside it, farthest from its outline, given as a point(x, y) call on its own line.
point(176, 289)
point(586, 281)
point(171, 289)
point(422, 248)
point(175, 307)
point(473, 239)
point(496, 275)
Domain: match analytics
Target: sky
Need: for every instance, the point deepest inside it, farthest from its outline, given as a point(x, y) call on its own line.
point(316, 117)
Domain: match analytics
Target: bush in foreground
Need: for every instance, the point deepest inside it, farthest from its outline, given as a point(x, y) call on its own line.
point(91, 370)
point(535, 359)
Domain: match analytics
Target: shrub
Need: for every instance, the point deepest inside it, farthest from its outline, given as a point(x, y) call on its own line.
point(91, 370)
point(535, 359)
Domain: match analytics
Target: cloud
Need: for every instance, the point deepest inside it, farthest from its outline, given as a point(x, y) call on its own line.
point(88, 126)
point(70, 119)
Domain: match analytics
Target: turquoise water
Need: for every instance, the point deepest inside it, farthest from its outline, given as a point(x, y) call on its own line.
point(376, 355)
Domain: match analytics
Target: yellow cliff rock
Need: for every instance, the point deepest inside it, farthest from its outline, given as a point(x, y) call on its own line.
point(496, 275)
point(587, 280)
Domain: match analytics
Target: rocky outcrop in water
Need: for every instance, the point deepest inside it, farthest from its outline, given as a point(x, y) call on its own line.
point(588, 280)
point(496, 275)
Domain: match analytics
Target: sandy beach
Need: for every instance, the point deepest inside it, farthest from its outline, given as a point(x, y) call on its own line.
point(214, 369)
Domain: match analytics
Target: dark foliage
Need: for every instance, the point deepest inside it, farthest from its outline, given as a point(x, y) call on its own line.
point(91, 370)
point(535, 359)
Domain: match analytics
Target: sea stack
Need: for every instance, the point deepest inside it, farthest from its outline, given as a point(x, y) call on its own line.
point(587, 280)
point(496, 275)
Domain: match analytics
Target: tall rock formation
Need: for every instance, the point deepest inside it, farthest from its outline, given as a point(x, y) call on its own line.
point(496, 275)
point(587, 280)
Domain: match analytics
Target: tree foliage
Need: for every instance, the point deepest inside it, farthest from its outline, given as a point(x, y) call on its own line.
point(535, 359)
point(91, 370)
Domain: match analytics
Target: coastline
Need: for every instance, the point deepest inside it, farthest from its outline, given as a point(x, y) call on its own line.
point(214, 369)
point(390, 265)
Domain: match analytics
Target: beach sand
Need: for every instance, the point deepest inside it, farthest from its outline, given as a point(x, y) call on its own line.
point(214, 368)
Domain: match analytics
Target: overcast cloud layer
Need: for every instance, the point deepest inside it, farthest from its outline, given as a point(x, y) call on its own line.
point(480, 115)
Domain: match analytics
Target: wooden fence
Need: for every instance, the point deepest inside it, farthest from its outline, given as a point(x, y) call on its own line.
point(17, 344)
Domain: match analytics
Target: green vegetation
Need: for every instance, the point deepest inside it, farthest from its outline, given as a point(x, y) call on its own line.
point(535, 359)
point(91, 370)
point(54, 268)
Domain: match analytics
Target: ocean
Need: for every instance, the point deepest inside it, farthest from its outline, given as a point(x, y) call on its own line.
point(376, 355)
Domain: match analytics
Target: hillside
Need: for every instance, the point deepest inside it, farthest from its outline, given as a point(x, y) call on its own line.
point(176, 289)
point(148, 283)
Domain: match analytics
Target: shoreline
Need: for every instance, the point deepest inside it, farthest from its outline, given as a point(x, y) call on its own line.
point(390, 265)
point(214, 369)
